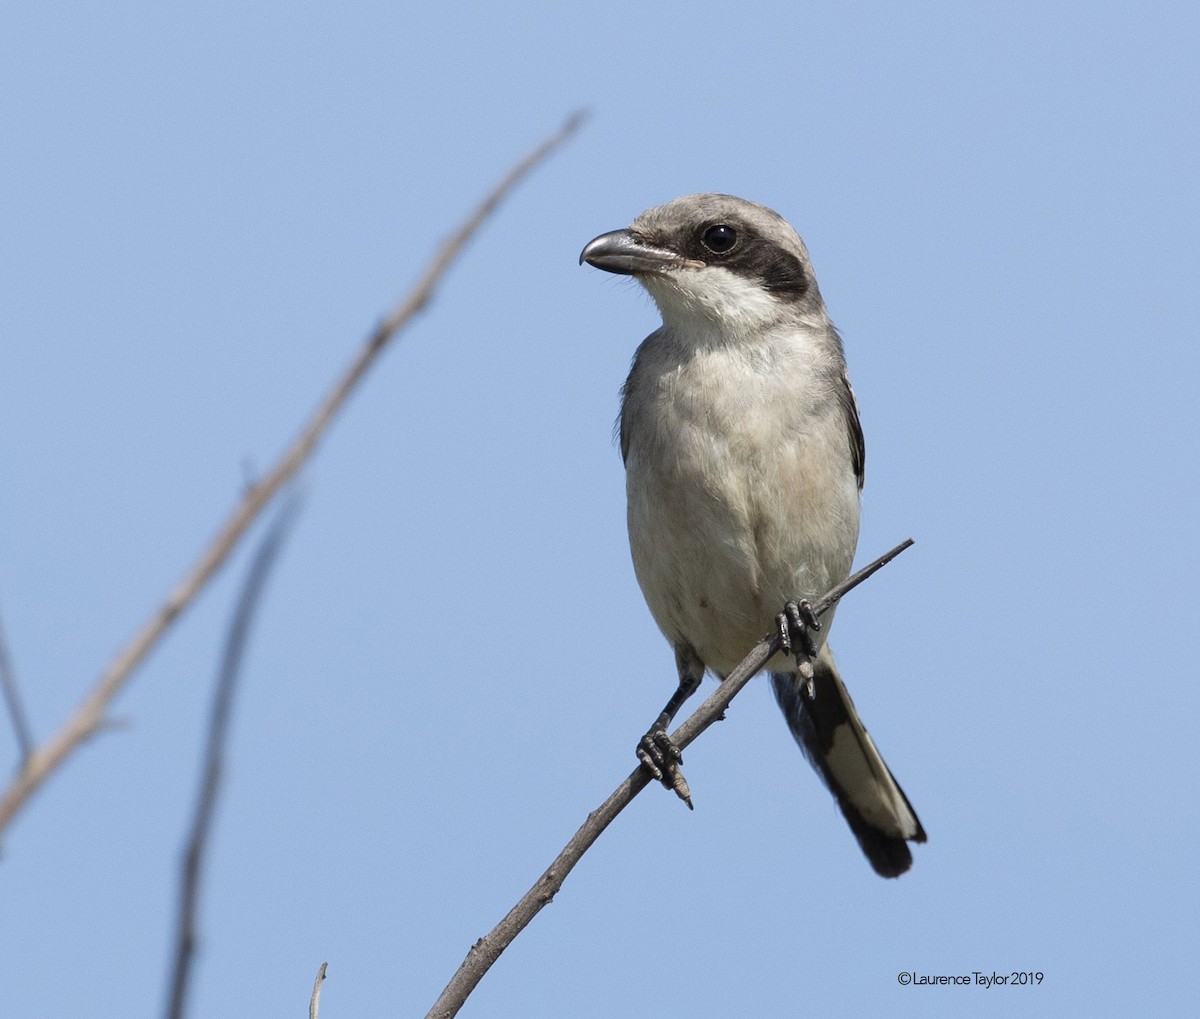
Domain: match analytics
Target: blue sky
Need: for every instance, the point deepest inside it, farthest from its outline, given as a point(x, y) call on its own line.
point(207, 209)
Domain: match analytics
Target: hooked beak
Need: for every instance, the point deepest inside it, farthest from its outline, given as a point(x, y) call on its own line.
point(621, 252)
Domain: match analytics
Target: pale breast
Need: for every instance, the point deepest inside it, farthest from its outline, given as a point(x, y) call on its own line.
point(741, 495)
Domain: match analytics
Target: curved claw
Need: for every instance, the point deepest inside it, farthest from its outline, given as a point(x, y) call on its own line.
point(661, 757)
point(658, 754)
point(796, 624)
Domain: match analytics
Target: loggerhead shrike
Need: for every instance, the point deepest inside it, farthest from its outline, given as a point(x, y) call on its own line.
point(744, 462)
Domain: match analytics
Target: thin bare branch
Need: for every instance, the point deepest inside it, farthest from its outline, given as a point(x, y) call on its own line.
point(487, 949)
point(89, 715)
point(214, 754)
point(314, 1003)
point(12, 698)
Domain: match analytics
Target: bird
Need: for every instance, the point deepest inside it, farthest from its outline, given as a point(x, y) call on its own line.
point(744, 461)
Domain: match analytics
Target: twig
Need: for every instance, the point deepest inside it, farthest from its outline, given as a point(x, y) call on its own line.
point(12, 697)
point(214, 754)
point(487, 949)
point(88, 716)
point(314, 1003)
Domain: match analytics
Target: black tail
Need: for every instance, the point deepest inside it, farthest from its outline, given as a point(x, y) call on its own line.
point(833, 738)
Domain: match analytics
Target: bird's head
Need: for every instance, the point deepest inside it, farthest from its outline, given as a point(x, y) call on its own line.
point(724, 261)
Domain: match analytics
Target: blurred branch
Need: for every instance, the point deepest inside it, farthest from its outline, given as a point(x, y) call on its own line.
point(12, 698)
point(214, 754)
point(314, 1003)
point(487, 949)
point(44, 760)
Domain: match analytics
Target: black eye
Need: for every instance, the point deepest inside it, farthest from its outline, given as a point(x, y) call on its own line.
point(719, 238)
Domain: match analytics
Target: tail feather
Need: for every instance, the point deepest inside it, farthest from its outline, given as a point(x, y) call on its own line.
point(833, 738)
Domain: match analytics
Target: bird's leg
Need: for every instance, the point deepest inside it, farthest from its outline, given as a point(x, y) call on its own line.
point(658, 754)
point(796, 624)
